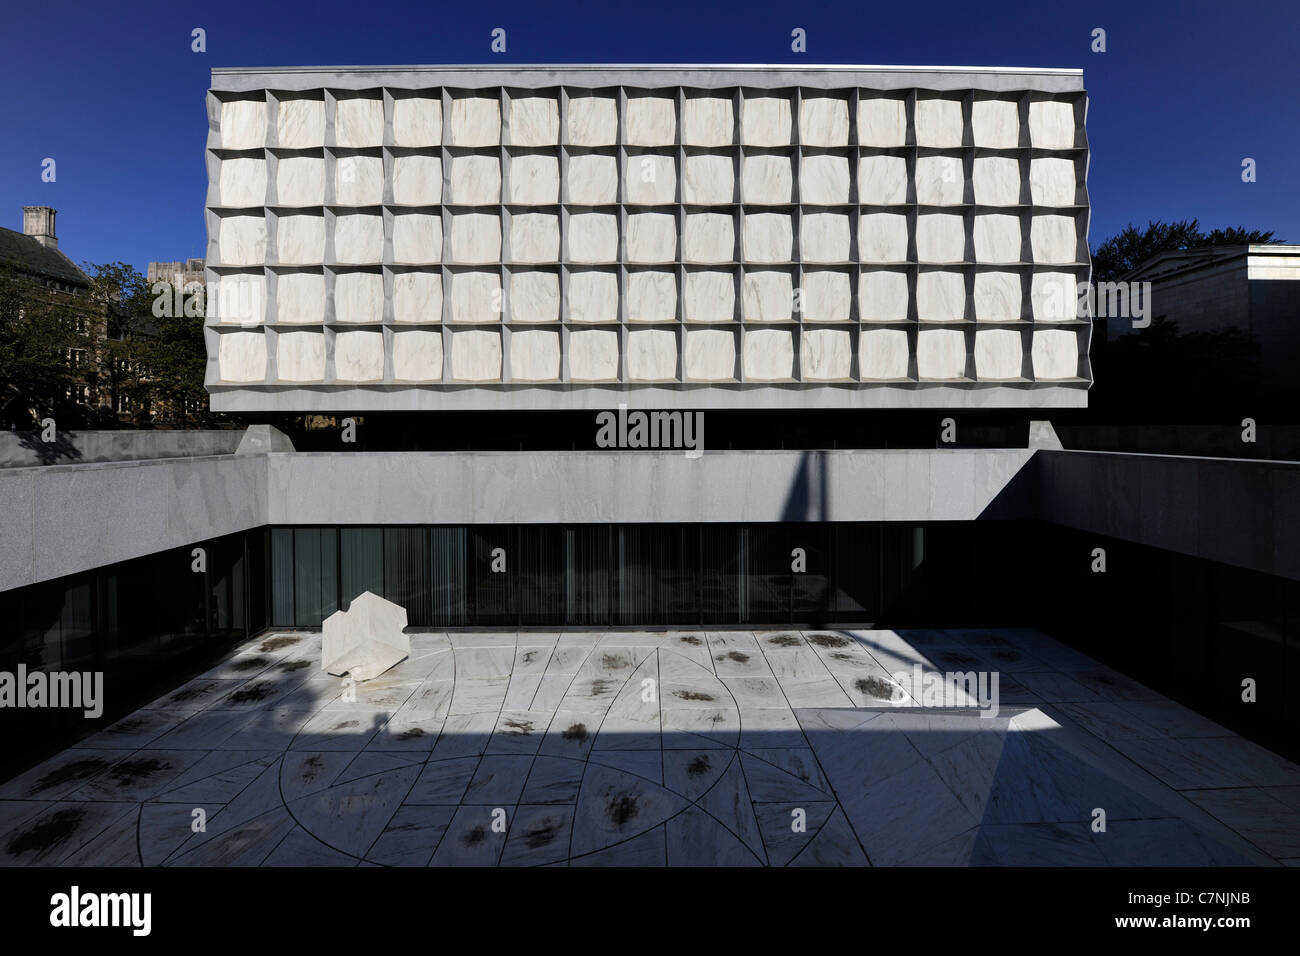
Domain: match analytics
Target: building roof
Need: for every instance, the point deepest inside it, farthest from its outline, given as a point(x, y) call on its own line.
point(1174, 262)
point(27, 255)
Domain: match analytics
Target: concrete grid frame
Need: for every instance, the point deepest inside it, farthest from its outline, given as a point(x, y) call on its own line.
point(541, 237)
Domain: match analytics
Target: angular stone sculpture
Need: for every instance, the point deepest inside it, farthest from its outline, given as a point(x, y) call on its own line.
point(366, 639)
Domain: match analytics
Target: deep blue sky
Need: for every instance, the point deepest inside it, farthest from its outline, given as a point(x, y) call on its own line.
point(113, 93)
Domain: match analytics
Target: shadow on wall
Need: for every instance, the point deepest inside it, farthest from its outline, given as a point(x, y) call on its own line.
point(809, 496)
point(60, 451)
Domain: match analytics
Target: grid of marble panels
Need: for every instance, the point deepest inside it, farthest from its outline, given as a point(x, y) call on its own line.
point(563, 235)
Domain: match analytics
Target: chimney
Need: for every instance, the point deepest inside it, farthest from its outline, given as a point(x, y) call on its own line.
point(38, 222)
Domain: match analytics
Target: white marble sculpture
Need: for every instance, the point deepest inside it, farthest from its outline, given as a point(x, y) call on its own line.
point(366, 639)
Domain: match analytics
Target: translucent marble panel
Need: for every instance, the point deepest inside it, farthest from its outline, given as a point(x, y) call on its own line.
point(710, 179)
point(995, 124)
point(417, 180)
point(535, 179)
point(243, 124)
point(475, 180)
point(593, 355)
point(417, 297)
point(535, 237)
point(940, 180)
point(825, 355)
point(300, 181)
point(882, 237)
point(710, 355)
point(593, 121)
point(998, 354)
point(768, 355)
point(359, 297)
point(300, 356)
point(883, 297)
point(476, 297)
point(535, 356)
point(358, 237)
point(534, 296)
point(652, 355)
point(882, 180)
point(883, 354)
point(475, 237)
point(882, 121)
point(938, 123)
point(823, 120)
point(1054, 297)
point(996, 180)
point(651, 180)
point(940, 237)
point(1051, 181)
point(593, 237)
point(417, 237)
point(359, 121)
point(300, 297)
point(824, 179)
point(651, 296)
point(417, 355)
point(475, 122)
point(767, 296)
point(359, 356)
point(476, 356)
point(241, 240)
point(300, 240)
point(650, 120)
point(765, 121)
point(1053, 239)
point(940, 354)
point(241, 357)
point(709, 297)
point(997, 238)
point(417, 121)
point(827, 296)
point(593, 296)
point(768, 237)
point(1055, 354)
point(359, 181)
point(997, 297)
point(242, 182)
point(651, 237)
point(1051, 125)
point(593, 180)
point(940, 296)
point(300, 124)
point(534, 121)
point(708, 121)
point(709, 237)
point(238, 299)
point(766, 180)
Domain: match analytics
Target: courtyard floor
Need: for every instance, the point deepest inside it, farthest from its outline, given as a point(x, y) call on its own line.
point(730, 748)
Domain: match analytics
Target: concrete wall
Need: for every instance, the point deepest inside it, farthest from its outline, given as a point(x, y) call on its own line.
point(20, 449)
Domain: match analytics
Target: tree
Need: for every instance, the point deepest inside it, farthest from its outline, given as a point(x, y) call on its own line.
point(123, 294)
point(40, 330)
point(1133, 246)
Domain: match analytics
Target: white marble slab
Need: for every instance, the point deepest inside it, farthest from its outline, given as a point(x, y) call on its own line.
point(882, 180)
point(1051, 181)
point(651, 355)
point(593, 237)
point(940, 296)
point(708, 121)
point(300, 297)
point(882, 121)
point(827, 295)
point(766, 180)
point(593, 120)
point(650, 120)
point(300, 123)
point(359, 180)
point(359, 297)
point(300, 239)
point(476, 357)
point(995, 124)
point(417, 237)
point(651, 237)
point(998, 354)
point(535, 356)
point(1053, 239)
point(708, 237)
point(997, 297)
point(996, 180)
point(417, 297)
point(709, 179)
point(767, 296)
point(1055, 354)
point(825, 355)
point(475, 237)
point(765, 121)
point(592, 179)
point(300, 356)
point(768, 355)
point(534, 237)
point(824, 179)
point(593, 296)
point(940, 180)
point(241, 356)
point(241, 240)
point(650, 179)
point(883, 354)
point(710, 355)
point(882, 237)
point(534, 121)
point(476, 297)
point(1054, 297)
point(417, 121)
point(475, 121)
point(593, 355)
point(359, 122)
point(534, 296)
point(940, 237)
point(997, 238)
point(239, 299)
point(359, 356)
point(709, 296)
point(417, 180)
point(940, 353)
point(768, 237)
point(359, 238)
point(939, 122)
point(475, 180)
point(300, 181)
point(534, 179)
point(243, 124)
point(1051, 125)
point(883, 296)
point(417, 355)
point(651, 296)
point(242, 181)
point(823, 120)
